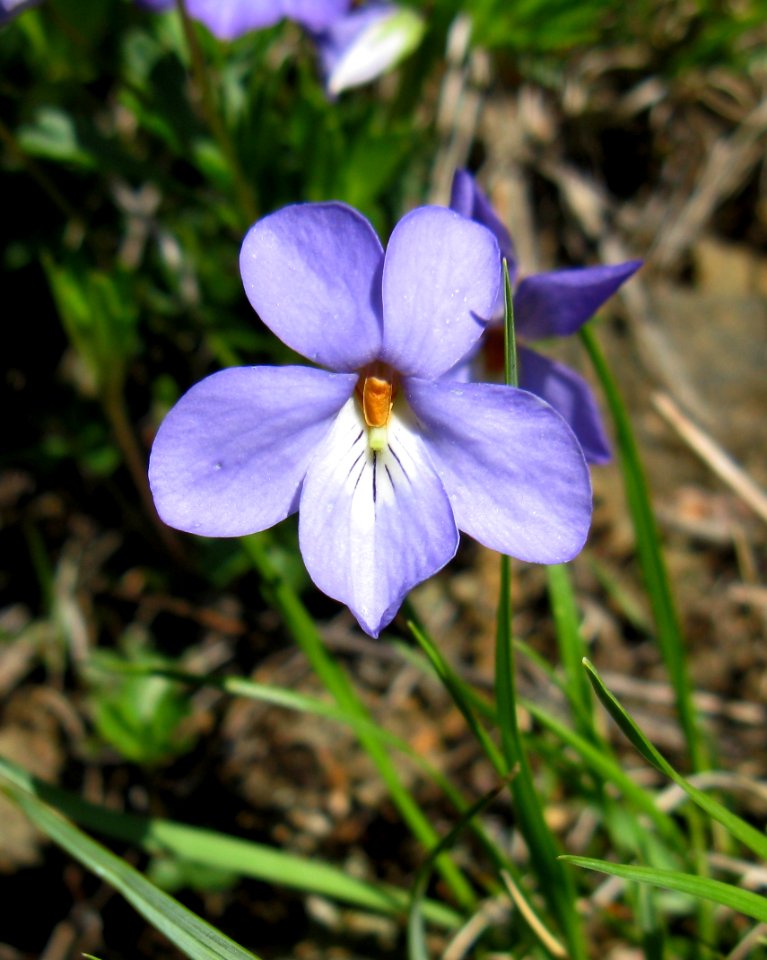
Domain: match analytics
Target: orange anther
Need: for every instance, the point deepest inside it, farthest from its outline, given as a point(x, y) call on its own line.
point(376, 401)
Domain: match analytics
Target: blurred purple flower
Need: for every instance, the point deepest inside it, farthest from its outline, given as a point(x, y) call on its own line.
point(553, 304)
point(9, 8)
point(229, 19)
point(365, 43)
point(385, 458)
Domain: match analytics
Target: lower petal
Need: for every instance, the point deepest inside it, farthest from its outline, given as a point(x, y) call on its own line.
point(513, 470)
point(570, 396)
point(373, 525)
point(230, 457)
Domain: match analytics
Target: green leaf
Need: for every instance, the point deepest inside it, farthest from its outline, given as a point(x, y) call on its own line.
point(99, 314)
point(652, 562)
point(748, 835)
point(219, 851)
point(53, 136)
point(751, 904)
point(185, 930)
point(416, 935)
point(604, 766)
point(139, 714)
point(337, 682)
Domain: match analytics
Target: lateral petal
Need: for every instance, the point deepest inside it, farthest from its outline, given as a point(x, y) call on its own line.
point(557, 303)
point(312, 272)
point(513, 470)
point(440, 283)
point(570, 396)
point(373, 525)
point(229, 458)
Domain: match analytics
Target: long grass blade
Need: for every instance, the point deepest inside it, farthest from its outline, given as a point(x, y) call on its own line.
point(751, 904)
point(556, 884)
point(189, 933)
point(416, 934)
point(650, 555)
point(213, 849)
point(754, 839)
point(337, 682)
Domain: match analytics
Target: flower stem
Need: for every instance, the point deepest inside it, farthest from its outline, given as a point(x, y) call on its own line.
point(555, 881)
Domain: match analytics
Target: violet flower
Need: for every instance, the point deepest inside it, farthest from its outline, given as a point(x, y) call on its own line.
point(553, 304)
point(383, 457)
point(230, 19)
point(10, 8)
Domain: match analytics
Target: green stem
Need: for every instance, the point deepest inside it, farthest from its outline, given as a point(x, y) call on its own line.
point(556, 882)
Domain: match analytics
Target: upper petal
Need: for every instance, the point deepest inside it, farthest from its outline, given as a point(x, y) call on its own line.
point(570, 396)
point(9, 8)
point(230, 456)
point(511, 466)
point(557, 303)
point(372, 525)
point(315, 14)
point(440, 283)
point(312, 271)
point(229, 19)
point(468, 199)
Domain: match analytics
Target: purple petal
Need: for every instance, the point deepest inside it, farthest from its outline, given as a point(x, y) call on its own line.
point(157, 5)
point(371, 526)
point(570, 396)
point(440, 283)
point(467, 199)
point(230, 456)
point(556, 304)
point(315, 14)
point(229, 19)
point(511, 466)
point(10, 8)
point(313, 273)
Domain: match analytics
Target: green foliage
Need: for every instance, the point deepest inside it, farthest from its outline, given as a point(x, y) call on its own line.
point(140, 714)
point(195, 937)
point(100, 316)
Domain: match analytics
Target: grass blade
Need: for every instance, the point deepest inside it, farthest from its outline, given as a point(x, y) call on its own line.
point(207, 847)
point(650, 555)
point(746, 902)
point(572, 649)
point(416, 937)
point(184, 929)
point(337, 682)
point(556, 884)
point(754, 839)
